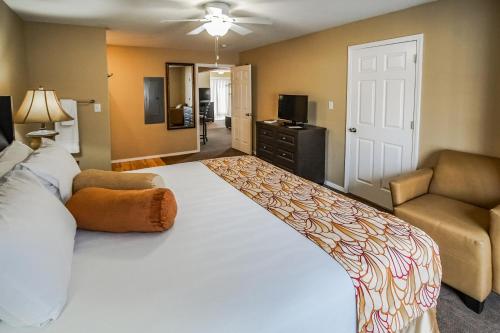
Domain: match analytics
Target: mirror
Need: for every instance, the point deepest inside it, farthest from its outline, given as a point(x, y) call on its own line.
point(180, 96)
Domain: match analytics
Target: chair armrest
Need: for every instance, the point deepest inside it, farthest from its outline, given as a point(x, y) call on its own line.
point(410, 186)
point(495, 246)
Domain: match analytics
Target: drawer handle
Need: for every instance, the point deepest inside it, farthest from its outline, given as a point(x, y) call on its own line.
point(283, 138)
point(265, 147)
point(283, 154)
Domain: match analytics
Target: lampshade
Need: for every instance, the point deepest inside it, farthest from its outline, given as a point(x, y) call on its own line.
point(40, 106)
point(217, 28)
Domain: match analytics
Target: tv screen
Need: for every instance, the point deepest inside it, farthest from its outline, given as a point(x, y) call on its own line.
point(293, 108)
point(204, 94)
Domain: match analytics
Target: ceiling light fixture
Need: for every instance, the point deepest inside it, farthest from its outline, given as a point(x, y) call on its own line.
point(217, 27)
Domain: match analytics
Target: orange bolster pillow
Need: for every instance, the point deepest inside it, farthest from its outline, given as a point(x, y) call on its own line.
point(108, 210)
point(116, 180)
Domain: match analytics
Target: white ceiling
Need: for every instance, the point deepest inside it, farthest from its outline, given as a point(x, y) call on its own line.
point(137, 22)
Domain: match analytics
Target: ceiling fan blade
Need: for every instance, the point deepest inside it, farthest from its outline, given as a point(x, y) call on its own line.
point(239, 29)
point(186, 20)
point(252, 20)
point(197, 30)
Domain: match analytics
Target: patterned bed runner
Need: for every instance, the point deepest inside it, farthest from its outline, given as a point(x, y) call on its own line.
point(395, 267)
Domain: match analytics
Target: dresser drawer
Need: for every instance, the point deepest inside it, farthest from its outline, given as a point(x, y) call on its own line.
point(266, 139)
point(265, 132)
point(266, 147)
point(290, 167)
point(285, 155)
point(286, 138)
point(264, 155)
point(265, 151)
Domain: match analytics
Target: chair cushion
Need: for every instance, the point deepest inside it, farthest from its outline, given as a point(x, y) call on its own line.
point(470, 178)
point(461, 231)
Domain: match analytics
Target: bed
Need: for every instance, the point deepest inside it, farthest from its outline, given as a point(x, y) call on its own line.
point(227, 265)
point(212, 272)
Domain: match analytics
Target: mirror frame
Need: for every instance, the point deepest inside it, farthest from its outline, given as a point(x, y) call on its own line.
point(193, 98)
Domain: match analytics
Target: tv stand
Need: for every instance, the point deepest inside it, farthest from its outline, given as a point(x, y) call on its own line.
point(298, 150)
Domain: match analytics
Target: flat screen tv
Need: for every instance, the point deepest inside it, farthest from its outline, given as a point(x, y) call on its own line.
point(293, 108)
point(204, 94)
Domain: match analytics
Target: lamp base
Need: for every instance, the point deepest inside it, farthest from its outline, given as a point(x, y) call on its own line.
point(36, 137)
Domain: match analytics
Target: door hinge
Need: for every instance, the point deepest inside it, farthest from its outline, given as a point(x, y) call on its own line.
point(412, 125)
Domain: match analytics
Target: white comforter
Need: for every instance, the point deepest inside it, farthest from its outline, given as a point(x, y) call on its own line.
point(227, 265)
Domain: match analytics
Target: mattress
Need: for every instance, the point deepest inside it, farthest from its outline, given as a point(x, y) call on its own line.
point(227, 265)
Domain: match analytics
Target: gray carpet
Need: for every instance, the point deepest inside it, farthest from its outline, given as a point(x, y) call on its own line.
point(218, 145)
point(455, 317)
point(219, 139)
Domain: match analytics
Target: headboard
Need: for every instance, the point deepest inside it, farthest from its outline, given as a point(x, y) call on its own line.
point(6, 124)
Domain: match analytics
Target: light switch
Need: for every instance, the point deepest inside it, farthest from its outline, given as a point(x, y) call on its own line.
point(97, 107)
point(330, 105)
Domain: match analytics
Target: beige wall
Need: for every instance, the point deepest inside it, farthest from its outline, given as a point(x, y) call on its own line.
point(72, 60)
point(461, 75)
point(130, 137)
point(13, 66)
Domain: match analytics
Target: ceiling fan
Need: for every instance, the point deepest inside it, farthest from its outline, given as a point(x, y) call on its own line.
point(217, 21)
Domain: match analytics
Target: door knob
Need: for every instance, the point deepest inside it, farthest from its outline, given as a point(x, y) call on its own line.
point(248, 114)
point(353, 129)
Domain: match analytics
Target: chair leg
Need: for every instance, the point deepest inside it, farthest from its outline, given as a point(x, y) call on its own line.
point(471, 303)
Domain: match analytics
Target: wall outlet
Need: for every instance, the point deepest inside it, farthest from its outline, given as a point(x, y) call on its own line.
point(330, 105)
point(97, 107)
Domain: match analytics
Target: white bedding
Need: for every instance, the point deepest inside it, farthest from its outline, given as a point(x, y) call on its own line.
point(227, 265)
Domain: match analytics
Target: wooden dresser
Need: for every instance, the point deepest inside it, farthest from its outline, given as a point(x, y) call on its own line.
point(300, 151)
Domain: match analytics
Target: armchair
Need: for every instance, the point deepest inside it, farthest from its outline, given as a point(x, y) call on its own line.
point(457, 204)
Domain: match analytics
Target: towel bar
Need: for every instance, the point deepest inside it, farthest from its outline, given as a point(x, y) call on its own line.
point(87, 101)
point(90, 101)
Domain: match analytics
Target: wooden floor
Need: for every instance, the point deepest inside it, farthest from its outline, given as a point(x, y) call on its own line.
point(139, 164)
point(155, 162)
point(218, 145)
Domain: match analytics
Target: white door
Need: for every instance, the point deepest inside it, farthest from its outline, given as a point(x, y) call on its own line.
point(241, 108)
point(380, 118)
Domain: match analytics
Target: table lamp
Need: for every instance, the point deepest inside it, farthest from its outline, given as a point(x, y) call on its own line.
point(40, 106)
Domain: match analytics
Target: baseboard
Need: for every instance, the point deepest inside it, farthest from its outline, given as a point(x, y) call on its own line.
point(335, 186)
point(154, 156)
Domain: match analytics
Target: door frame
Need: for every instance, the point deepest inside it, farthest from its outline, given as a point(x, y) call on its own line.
point(419, 39)
point(197, 97)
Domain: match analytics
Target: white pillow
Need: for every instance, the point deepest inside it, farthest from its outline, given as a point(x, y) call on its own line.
point(54, 165)
point(37, 236)
point(15, 153)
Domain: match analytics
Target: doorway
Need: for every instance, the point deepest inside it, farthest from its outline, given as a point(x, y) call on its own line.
point(214, 105)
point(383, 113)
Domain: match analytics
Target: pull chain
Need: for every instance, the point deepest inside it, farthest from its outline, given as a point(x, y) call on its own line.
point(217, 51)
